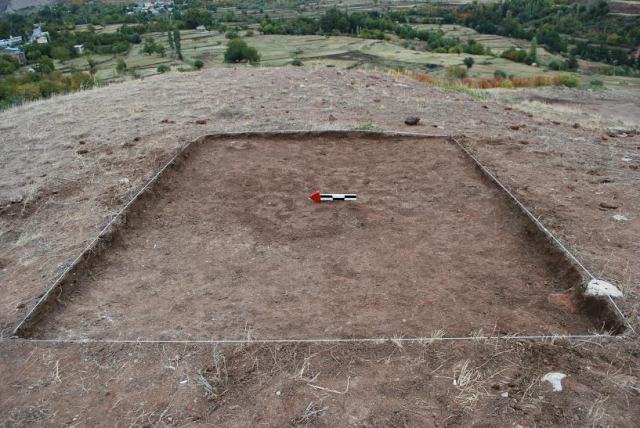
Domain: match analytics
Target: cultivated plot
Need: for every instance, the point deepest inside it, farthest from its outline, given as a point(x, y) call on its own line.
point(228, 246)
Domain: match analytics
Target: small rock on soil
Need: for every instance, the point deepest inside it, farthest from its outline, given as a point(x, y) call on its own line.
point(412, 120)
point(608, 206)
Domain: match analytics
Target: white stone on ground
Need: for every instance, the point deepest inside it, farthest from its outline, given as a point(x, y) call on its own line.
point(555, 379)
point(598, 287)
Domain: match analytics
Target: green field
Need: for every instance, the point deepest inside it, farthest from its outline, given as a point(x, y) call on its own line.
point(498, 44)
point(333, 51)
point(285, 9)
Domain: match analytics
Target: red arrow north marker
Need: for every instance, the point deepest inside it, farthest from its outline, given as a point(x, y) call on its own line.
point(318, 197)
point(315, 197)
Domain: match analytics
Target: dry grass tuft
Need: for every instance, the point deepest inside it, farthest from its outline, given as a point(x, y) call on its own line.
point(214, 384)
point(468, 381)
point(310, 414)
point(496, 82)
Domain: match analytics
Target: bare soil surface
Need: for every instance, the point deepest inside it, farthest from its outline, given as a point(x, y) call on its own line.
point(441, 384)
point(615, 110)
point(230, 245)
point(71, 162)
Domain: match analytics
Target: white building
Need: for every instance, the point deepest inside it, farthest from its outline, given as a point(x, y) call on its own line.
point(79, 49)
point(11, 41)
point(38, 36)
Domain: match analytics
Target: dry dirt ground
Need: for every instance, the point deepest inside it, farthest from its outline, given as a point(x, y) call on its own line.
point(234, 240)
point(69, 163)
point(616, 108)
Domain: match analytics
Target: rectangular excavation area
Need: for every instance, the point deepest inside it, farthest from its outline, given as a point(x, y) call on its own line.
point(228, 245)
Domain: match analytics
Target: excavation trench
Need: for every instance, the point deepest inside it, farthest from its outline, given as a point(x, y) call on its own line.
point(226, 245)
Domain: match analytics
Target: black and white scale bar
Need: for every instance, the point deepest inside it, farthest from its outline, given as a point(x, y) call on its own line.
point(338, 197)
point(318, 197)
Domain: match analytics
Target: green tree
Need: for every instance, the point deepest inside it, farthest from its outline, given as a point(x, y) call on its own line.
point(176, 42)
point(198, 64)
point(170, 40)
point(533, 51)
point(61, 53)
point(239, 51)
point(163, 68)
point(149, 46)
point(197, 16)
point(45, 65)
point(469, 61)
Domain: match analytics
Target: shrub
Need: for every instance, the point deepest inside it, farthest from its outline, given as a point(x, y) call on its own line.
point(540, 81)
point(249, 33)
point(239, 51)
point(557, 65)
point(566, 80)
point(499, 74)
point(297, 62)
point(80, 80)
point(30, 91)
point(473, 47)
point(231, 34)
point(596, 83)
point(516, 55)
point(508, 84)
point(50, 87)
point(61, 53)
point(121, 66)
point(92, 64)
point(163, 68)
point(456, 72)
point(469, 61)
point(198, 64)
point(7, 65)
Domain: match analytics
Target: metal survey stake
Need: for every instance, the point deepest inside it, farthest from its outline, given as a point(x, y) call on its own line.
point(318, 197)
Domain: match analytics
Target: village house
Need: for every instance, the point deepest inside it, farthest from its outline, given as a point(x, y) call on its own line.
point(38, 36)
point(16, 53)
point(11, 41)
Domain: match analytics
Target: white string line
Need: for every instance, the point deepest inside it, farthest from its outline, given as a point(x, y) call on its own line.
point(61, 278)
point(116, 217)
point(95, 240)
point(377, 340)
point(541, 226)
point(525, 210)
